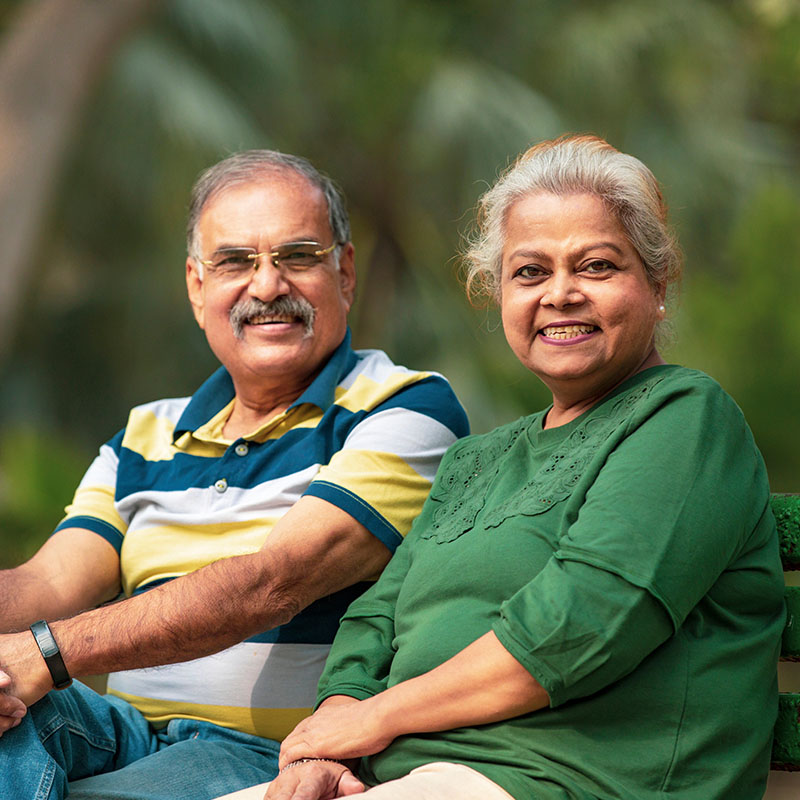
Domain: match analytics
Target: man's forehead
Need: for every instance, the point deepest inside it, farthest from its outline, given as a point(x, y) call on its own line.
point(277, 182)
point(283, 204)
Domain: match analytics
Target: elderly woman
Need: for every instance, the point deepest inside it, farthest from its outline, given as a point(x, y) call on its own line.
point(590, 603)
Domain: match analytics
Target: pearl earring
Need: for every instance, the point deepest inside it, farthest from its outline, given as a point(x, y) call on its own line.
point(662, 308)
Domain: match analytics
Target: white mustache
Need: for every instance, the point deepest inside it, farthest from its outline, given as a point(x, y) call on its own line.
point(251, 308)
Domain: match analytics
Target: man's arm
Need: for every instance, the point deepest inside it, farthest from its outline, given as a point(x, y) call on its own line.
point(75, 569)
point(314, 550)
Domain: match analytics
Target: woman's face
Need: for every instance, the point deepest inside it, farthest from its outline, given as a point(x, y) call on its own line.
point(578, 309)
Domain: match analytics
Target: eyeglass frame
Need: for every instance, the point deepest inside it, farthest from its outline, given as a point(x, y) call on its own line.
point(274, 258)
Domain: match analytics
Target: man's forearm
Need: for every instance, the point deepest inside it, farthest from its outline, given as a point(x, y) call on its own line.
point(25, 598)
point(75, 569)
point(314, 550)
point(178, 621)
point(192, 616)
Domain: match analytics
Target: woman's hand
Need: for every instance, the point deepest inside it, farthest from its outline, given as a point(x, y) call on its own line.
point(339, 730)
point(314, 780)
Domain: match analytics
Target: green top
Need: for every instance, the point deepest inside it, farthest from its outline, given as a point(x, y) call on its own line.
point(629, 561)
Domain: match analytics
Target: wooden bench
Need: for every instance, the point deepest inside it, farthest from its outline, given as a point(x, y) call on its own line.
point(784, 781)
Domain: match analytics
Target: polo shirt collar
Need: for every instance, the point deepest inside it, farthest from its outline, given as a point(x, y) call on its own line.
point(218, 390)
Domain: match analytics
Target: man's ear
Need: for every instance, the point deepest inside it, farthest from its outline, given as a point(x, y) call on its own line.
point(194, 286)
point(347, 273)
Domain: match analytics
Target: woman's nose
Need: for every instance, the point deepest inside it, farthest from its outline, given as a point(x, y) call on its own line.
point(562, 289)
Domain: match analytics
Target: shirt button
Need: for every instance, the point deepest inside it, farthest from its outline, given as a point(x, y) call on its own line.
point(241, 449)
point(221, 485)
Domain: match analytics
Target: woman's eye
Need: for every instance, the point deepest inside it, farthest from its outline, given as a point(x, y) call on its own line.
point(598, 265)
point(528, 271)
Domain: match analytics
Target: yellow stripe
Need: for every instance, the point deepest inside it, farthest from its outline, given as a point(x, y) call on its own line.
point(366, 393)
point(303, 416)
point(150, 554)
point(211, 431)
point(271, 723)
point(187, 443)
point(149, 435)
point(364, 473)
point(96, 501)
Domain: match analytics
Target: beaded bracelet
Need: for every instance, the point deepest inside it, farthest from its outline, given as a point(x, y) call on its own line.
point(305, 761)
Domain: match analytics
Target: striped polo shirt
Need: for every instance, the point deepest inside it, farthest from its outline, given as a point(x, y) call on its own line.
point(172, 495)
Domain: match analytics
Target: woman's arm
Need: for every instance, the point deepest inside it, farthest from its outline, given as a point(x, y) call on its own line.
point(483, 683)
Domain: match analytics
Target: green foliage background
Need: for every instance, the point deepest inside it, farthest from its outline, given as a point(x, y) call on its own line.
point(413, 106)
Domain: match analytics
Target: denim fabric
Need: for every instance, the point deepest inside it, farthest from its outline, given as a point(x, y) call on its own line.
point(78, 744)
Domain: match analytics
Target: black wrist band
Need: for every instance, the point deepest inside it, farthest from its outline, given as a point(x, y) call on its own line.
point(51, 654)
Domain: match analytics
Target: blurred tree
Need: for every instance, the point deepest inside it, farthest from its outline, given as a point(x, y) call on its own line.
point(51, 57)
point(414, 106)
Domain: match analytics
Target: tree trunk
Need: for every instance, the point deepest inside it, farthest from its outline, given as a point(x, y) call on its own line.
point(52, 54)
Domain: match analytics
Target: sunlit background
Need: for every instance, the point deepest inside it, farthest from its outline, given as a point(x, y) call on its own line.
point(413, 106)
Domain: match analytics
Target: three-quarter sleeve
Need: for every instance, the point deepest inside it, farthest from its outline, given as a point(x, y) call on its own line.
point(669, 509)
point(361, 656)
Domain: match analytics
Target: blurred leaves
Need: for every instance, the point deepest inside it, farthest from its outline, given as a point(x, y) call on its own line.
point(414, 107)
point(38, 475)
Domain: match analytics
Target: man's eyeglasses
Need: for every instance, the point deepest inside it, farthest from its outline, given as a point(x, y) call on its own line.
point(292, 258)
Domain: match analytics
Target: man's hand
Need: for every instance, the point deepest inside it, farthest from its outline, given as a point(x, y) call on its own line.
point(12, 709)
point(26, 677)
point(314, 780)
point(339, 731)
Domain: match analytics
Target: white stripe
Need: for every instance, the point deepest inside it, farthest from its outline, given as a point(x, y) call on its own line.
point(416, 438)
point(249, 675)
point(375, 365)
point(203, 506)
point(103, 470)
point(170, 408)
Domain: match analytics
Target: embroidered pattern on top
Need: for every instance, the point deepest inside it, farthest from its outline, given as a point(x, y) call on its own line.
point(463, 488)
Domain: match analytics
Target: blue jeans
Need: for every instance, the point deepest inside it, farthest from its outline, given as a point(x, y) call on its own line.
point(79, 744)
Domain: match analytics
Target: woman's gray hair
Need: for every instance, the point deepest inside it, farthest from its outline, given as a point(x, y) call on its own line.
point(576, 164)
point(244, 167)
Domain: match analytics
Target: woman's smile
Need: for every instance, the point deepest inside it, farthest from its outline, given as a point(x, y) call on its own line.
point(578, 308)
point(567, 332)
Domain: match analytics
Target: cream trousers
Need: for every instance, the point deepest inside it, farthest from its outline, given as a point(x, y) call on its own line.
point(437, 781)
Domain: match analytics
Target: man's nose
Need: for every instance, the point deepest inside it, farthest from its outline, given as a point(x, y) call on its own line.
point(267, 281)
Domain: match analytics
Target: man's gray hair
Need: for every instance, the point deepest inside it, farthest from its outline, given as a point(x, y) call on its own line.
point(249, 165)
point(577, 164)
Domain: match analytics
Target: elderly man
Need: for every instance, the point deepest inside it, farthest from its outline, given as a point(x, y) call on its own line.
point(239, 522)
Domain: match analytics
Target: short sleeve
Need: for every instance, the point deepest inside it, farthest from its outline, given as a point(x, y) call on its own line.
point(92, 507)
point(383, 472)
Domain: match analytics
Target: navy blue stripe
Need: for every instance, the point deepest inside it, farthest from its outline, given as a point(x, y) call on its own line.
point(316, 624)
point(152, 585)
point(207, 401)
point(115, 443)
point(433, 397)
point(296, 450)
point(98, 526)
point(376, 524)
point(275, 458)
point(322, 391)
